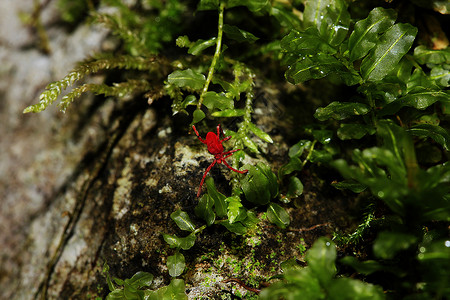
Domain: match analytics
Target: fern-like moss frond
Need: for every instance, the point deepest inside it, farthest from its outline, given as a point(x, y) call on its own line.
point(117, 90)
point(54, 89)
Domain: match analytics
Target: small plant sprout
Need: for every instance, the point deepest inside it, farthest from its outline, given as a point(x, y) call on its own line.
point(215, 147)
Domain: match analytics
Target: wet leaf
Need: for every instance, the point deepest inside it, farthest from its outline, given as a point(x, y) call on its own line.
point(388, 244)
point(295, 188)
point(228, 113)
point(305, 42)
point(187, 79)
point(437, 133)
point(429, 56)
point(365, 34)
point(234, 208)
point(204, 209)
point(354, 131)
point(182, 220)
point(383, 58)
point(239, 35)
point(236, 227)
point(219, 199)
point(278, 215)
point(200, 45)
point(214, 100)
point(256, 186)
point(176, 264)
point(271, 177)
point(321, 259)
point(184, 243)
point(341, 110)
point(259, 133)
point(313, 67)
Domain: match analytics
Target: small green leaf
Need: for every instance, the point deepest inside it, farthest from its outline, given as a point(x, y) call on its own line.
point(200, 45)
point(256, 186)
point(323, 136)
point(441, 76)
point(259, 133)
point(214, 100)
point(184, 243)
point(388, 244)
point(239, 35)
point(306, 42)
point(278, 215)
point(437, 133)
point(233, 210)
point(198, 115)
point(351, 185)
point(383, 58)
point(364, 267)
point(271, 177)
point(208, 4)
point(116, 295)
point(297, 149)
point(219, 199)
point(313, 67)
point(354, 131)
point(236, 227)
point(176, 264)
point(182, 219)
point(294, 164)
point(365, 34)
point(428, 56)
point(321, 259)
point(175, 290)
point(341, 110)
point(349, 288)
point(295, 188)
point(187, 79)
point(227, 113)
point(204, 209)
point(141, 279)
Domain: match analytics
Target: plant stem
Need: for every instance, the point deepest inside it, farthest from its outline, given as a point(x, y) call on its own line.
point(216, 56)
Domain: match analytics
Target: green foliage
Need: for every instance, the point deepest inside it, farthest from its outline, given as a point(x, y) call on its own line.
point(137, 288)
point(318, 280)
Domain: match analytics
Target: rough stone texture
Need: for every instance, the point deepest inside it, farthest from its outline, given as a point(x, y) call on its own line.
point(99, 184)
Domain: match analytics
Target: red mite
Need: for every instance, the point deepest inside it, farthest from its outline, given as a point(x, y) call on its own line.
point(215, 147)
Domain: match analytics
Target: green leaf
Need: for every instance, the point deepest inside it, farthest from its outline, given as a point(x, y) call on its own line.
point(252, 5)
point(341, 110)
point(204, 209)
point(182, 219)
point(187, 79)
point(348, 288)
point(219, 199)
point(239, 35)
point(271, 177)
point(256, 186)
point(278, 215)
point(175, 290)
point(323, 136)
point(200, 45)
point(233, 210)
point(184, 243)
point(306, 42)
point(428, 56)
point(321, 259)
point(198, 115)
point(313, 67)
point(297, 149)
point(441, 76)
point(354, 131)
point(388, 244)
point(208, 4)
point(364, 267)
point(330, 17)
point(294, 164)
point(227, 113)
point(365, 34)
point(259, 133)
point(116, 295)
point(383, 58)
point(351, 185)
point(140, 279)
point(236, 227)
point(176, 264)
point(295, 188)
point(214, 100)
point(437, 133)
point(423, 98)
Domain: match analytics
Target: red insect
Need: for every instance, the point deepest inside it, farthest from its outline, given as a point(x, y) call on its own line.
point(215, 147)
